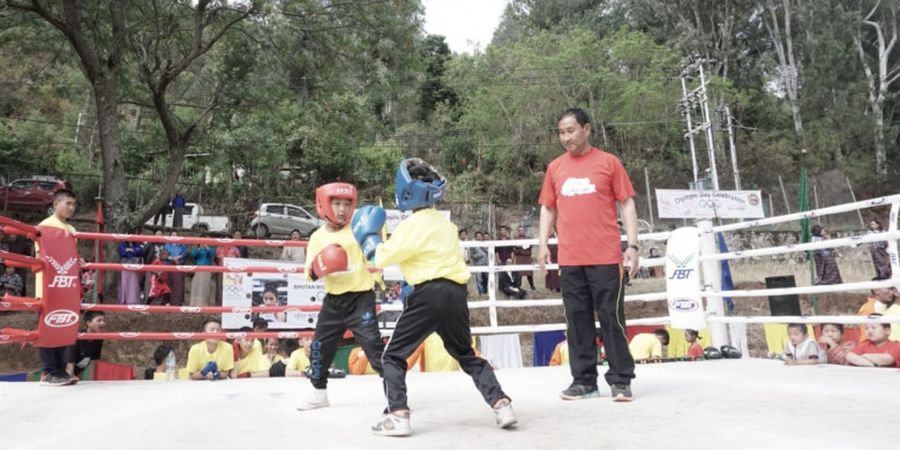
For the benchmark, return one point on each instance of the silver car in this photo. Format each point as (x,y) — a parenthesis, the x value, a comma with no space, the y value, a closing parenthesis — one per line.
(282,219)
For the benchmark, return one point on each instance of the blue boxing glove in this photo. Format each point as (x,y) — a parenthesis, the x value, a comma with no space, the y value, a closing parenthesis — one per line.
(366,225)
(211,367)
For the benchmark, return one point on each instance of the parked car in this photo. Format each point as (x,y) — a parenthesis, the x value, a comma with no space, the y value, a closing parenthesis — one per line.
(281,218)
(194,219)
(33,194)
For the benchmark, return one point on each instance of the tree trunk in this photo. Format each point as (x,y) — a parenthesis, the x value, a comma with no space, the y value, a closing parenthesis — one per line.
(115,204)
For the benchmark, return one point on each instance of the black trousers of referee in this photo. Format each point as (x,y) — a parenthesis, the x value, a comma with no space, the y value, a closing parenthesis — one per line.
(589,290)
(353,310)
(435,306)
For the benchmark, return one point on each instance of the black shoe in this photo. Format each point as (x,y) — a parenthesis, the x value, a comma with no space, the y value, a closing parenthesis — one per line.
(621,392)
(579,392)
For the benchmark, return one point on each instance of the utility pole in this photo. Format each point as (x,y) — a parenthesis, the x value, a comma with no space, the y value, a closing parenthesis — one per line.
(693,102)
(734,161)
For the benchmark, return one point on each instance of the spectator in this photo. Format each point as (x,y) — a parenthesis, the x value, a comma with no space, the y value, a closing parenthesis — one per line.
(211,359)
(161,214)
(800,348)
(832,341)
(894,310)
(233,251)
(89,287)
(695,350)
(294,254)
(177,254)
(511,284)
(21,246)
(158,371)
(878,250)
(479,257)
(648,347)
(464,236)
(130,282)
(178,205)
(286,347)
(658,270)
(879,302)
(53,359)
(827,270)
(522,256)
(298,362)
(159,291)
(551,281)
(504,253)
(84,354)
(201,289)
(273,351)
(251,361)
(10,282)
(560,354)
(148,255)
(877,350)
(358,362)
(270,298)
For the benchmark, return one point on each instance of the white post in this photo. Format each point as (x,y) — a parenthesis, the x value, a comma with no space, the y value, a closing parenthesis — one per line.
(492,278)
(712,281)
(690,128)
(711,149)
(734,161)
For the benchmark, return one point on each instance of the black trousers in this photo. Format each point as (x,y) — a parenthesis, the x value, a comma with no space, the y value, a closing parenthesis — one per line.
(353,310)
(590,290)
(435,306)
(53,360)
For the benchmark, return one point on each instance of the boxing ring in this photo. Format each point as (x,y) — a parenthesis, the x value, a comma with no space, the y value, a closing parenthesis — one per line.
(746,403)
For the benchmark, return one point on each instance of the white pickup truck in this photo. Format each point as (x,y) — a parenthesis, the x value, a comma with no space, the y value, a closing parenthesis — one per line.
(193,218)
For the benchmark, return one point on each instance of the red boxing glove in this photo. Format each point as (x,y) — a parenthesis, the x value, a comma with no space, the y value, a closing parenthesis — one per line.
(331,259)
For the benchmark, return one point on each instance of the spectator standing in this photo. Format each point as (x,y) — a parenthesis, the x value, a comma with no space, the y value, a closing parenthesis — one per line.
(827,270)
(53,359)
(876,351)
(880,258)
(84,354)
(159,293)
(801,349)
(551,281)
(129,281)
(176,256)
(10,282)
(294,254)
(201,284)
(503,253)
(479,257)
(464,236)
(178,205)
(522,256)
(150,254)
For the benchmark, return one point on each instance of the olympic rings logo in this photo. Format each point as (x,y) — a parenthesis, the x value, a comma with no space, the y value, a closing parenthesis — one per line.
(709,203)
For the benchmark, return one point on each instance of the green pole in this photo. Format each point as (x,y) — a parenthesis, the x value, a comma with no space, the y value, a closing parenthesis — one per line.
(804,230)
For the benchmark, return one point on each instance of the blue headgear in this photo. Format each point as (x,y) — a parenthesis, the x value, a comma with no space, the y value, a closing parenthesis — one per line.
(412,192)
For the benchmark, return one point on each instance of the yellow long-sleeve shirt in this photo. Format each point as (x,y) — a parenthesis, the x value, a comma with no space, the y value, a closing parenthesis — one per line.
(357,278)
(426,247)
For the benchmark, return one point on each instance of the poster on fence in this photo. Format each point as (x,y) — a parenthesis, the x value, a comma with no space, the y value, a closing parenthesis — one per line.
(241,289)
(692,204)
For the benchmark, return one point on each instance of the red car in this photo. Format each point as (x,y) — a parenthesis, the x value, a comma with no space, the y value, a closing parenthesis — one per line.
(33,194)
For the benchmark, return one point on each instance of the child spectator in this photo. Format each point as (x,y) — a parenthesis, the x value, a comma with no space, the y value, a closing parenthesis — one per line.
(10,282)
(695,350)
(560,354)
(800,348)
(251,362)
(877,350)
(211,359)
(286,347)
(878,303)
(273,351)
(648,347)
(832,341)
(160,292)
(298,362)
(177,254)
(130,282)
(84,354)
(158,371)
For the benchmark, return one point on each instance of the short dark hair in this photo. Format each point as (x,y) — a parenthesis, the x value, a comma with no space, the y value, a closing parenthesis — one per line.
(799,326)
(271,289)
(817,230)
(504,227)
(211,320)
(839,326)
(289,345)
(90,315)
(579,114)
(63,193)
(245,328)
(161,353)
(463,230)
(877,315)
(693,333)
(661,332)
(260,323)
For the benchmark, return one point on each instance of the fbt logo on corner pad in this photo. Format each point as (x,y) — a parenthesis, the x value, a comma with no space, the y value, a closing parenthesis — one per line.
(684,304)
(61,318)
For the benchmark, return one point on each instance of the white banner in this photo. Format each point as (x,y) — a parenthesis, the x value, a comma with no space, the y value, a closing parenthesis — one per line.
(395,216)
(688,204)
(248,289)
(683,279)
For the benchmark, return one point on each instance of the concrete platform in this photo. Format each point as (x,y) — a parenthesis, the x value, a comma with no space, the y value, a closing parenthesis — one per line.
(744,404)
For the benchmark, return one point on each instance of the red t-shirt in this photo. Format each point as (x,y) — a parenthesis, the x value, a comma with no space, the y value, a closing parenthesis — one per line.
(890,347)
(584,190)
(695,351)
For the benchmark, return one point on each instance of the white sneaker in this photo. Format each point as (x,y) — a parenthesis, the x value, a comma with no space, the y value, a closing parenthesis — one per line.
(505,416)
(318,399)
(392,425)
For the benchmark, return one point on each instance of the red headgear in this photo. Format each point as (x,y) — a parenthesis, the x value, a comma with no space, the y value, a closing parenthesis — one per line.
(326,192)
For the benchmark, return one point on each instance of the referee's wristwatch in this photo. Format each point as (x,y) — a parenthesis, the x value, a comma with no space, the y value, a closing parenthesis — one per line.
(635,247)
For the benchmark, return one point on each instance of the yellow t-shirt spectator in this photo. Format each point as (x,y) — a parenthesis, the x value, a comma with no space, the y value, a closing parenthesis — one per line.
(182,374)
(199,356)
(255,361)
(894,310)
(51,222)
(357,278)
(426,247)
(358,362)
(298,360)
(645,346)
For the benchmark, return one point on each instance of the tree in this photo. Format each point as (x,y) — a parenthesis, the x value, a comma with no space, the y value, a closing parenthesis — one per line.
(159,42)
(882,21)
(789,68)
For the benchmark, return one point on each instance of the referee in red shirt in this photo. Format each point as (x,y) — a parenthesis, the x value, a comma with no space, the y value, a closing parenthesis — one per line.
(580,193)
